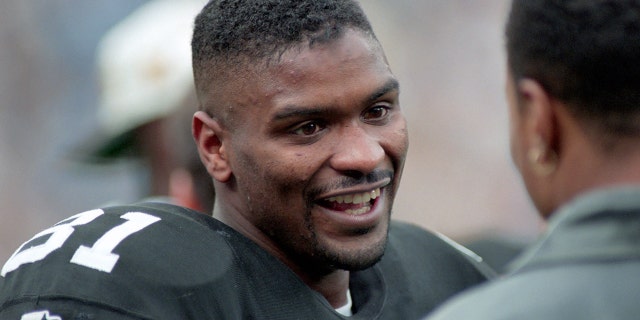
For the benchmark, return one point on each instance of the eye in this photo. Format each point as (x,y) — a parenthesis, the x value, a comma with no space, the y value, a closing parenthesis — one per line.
(375,113)
(308,128)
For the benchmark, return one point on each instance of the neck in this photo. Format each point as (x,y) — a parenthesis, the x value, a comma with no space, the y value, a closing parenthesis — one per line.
(599,169)
(332,284)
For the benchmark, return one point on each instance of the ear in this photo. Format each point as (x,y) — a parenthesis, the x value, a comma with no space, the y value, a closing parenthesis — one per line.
(541,128)
(208,135)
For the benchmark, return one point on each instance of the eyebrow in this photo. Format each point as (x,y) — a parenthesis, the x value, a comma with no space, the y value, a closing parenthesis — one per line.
(295,111)
(391,85)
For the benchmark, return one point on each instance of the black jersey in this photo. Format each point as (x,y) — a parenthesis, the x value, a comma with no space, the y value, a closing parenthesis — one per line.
(159,261)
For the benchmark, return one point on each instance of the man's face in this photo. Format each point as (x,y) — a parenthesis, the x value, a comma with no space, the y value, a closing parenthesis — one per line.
(316,151)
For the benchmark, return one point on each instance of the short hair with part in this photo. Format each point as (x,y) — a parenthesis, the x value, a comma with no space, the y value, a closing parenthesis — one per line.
(232,34)
(585,53)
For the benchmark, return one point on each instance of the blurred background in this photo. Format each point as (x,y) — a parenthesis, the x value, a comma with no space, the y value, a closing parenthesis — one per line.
(448,55)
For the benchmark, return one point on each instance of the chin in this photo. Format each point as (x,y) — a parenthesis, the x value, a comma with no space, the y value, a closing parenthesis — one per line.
(357,258)
(360,264)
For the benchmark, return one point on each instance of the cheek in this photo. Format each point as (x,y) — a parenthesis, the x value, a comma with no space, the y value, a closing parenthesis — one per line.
(279,174)
(404,142)
(396,142)
(399,146)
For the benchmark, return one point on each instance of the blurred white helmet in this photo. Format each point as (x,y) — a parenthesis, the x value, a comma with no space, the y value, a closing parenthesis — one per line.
(144,65)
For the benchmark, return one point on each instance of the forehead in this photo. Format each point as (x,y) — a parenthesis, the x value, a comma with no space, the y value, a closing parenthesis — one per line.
(355,62)
(354,49)
(351,67)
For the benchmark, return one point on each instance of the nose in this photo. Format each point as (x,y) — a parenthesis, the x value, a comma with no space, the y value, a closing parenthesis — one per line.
(357,152)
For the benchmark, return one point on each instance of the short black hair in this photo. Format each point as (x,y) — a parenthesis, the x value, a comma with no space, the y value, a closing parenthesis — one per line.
(585,53)
(228,33)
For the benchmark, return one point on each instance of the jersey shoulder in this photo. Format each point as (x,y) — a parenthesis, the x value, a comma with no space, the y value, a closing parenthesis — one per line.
(125,257)
(435,253)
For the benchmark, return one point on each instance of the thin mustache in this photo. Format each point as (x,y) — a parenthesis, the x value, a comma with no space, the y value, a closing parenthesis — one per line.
(347,182)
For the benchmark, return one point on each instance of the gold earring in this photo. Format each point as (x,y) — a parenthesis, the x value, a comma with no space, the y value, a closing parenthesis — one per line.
(543,161)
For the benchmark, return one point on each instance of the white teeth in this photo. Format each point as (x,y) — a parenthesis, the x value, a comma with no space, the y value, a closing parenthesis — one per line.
(348,198)
(359,211)
(357,198)
(366,197)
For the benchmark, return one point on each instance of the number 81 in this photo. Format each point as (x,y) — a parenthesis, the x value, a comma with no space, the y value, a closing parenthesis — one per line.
(99,256)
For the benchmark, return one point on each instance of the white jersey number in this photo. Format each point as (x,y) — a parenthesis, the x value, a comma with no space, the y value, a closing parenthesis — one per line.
(40,315)
(99,256)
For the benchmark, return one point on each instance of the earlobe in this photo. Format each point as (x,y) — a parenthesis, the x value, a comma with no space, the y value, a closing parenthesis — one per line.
(208,135)
(541,128)
(542,159)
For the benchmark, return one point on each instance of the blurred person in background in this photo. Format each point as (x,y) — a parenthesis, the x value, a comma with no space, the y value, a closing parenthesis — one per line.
(573,89)
(147,99)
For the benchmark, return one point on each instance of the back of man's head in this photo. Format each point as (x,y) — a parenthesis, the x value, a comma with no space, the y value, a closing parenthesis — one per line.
(585,53)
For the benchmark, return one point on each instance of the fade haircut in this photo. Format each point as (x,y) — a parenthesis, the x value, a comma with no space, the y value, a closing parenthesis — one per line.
(232,34)
(585,53)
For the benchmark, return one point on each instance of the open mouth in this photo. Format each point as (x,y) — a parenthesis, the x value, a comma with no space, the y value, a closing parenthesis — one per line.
(353,204)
